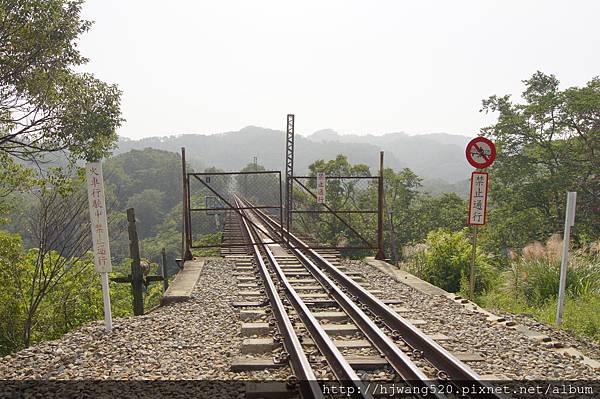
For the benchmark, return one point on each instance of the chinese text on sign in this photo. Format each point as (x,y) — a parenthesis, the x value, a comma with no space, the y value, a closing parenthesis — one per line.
(478,201)
(321,187)
(99,225)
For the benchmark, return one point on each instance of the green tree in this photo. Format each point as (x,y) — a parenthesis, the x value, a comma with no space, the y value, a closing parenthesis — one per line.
(342,194)
(261,189)
(44,105)
(168,236)
(547,145)
(401,191)
(135,171)
(446,211)
(70,299)
(11,255)
(149,210)
(412,214)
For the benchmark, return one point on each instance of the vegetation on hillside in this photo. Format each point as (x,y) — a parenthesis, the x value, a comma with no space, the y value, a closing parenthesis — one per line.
(547,145)
(48,112)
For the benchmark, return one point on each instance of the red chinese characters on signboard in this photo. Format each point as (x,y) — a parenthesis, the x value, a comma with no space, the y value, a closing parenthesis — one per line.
(98,219)
(478,198)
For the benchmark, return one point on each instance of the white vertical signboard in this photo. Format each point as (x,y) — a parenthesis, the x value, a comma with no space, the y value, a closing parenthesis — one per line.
(99,225)
(478,198)
(321,180)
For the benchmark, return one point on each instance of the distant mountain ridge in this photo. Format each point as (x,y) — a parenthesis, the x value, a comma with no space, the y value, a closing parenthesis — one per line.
(437,157)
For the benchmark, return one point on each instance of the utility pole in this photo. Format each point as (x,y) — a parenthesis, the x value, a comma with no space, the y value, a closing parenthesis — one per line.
(473,259)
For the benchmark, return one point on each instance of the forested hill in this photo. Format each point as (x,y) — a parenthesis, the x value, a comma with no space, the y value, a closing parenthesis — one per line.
(432,156)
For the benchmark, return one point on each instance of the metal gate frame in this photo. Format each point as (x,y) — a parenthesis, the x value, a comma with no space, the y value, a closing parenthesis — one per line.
(336,213)
(228,207)
(328,210)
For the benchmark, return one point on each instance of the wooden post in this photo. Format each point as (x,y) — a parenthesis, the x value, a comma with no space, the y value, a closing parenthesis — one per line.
(163,267)
(380,204)
(137,279)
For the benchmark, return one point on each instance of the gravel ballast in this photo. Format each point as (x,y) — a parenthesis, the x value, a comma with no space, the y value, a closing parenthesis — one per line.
(198,340)
(508,353)
(193,340)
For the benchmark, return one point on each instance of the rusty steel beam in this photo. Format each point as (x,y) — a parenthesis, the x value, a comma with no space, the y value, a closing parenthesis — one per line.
(380,207)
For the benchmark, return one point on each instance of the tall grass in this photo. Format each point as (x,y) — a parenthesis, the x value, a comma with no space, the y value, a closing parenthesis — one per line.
(535,277)
(530,285)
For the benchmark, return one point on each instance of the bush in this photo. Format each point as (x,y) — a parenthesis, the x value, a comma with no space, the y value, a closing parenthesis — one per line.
(446,262)
(208,239)
(531,286)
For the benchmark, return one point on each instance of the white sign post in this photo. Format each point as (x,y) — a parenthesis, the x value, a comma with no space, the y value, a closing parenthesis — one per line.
(564,262)
(321,180)
(97,205)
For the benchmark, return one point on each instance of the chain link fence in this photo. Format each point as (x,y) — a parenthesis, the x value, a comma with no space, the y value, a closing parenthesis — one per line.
(212,195)
(347,217)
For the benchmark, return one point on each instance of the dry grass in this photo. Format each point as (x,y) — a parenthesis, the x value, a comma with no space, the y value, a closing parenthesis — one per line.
(552,251)
(409,251)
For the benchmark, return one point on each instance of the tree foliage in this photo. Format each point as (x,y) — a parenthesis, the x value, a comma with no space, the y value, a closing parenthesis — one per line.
(409,214)
(549,144)
(45,106)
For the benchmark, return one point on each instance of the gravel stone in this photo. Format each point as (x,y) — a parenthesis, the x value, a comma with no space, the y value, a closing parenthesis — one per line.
(507,352)
(192,340)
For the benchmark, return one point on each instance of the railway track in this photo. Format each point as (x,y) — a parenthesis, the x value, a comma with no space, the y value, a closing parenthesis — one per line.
(328,327)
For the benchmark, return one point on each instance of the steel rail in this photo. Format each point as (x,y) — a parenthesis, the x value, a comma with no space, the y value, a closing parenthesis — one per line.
(340,177)
(339,365)
(308,385)
(456,371)
(399,361)
(231,207)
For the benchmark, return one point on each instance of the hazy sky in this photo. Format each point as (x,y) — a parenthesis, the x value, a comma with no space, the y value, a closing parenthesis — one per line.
(354,66)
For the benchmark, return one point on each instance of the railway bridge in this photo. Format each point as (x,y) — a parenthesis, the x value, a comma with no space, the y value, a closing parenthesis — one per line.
(281,314)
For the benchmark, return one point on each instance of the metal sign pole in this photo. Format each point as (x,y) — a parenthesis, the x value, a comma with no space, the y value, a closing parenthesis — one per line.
(480,153)
(564,263)
(183,208)
(106,300)
(473,257)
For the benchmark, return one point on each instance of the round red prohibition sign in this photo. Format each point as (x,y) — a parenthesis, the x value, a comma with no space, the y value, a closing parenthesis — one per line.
(481,152)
